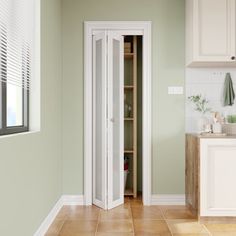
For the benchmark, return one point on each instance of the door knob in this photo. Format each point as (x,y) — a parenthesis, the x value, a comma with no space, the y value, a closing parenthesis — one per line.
(233,58)
(112,120)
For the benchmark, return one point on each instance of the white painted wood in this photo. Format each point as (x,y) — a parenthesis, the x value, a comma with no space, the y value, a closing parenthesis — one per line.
(99,131)
(128,27)
(72,200)
(115,119)
(121,32)
(43,228)
(64,200)
(168,199)
(218,175)
(88,115)
(210,32)
(35,99)
(147,114)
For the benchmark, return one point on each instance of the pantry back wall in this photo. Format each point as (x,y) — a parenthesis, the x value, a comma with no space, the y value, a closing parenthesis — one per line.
(168,111)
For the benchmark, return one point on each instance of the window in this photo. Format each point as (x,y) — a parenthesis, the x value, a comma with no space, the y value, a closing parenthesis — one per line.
(16,64)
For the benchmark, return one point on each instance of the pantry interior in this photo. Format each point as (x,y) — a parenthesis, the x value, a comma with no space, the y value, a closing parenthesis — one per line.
(133,116)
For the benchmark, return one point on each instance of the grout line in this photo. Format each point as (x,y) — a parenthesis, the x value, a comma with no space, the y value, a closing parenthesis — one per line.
(207,229)
(132,219)
(99,216)
(164,218)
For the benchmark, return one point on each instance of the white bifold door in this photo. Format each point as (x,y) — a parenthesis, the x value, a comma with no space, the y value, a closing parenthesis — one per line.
(108,128)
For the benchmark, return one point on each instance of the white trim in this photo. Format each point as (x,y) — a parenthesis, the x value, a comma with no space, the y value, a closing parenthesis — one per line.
(49,219)
(35,85)
(147,114)
(65,200)
(168,199)
(72,200)
(128,27)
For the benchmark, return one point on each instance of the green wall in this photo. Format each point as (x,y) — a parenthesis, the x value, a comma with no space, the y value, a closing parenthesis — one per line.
(167,17)
(31,164)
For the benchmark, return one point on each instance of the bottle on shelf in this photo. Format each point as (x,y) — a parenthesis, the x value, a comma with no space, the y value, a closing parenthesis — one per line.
(127,108)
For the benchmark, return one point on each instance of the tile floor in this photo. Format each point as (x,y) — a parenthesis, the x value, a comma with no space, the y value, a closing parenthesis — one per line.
(133,218)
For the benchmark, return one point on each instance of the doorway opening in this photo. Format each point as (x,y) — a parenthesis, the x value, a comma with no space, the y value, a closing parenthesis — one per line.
(135,155)
(133,116)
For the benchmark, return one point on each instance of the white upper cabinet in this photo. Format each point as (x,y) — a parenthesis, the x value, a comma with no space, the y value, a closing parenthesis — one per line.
(210,33)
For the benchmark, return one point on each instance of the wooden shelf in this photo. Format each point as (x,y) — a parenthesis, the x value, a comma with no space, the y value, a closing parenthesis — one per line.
(128,119)
(129,55)
(128,87)
(129,192)
(128,151)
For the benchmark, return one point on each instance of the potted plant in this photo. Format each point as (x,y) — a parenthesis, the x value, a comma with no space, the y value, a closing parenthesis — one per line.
(201,106)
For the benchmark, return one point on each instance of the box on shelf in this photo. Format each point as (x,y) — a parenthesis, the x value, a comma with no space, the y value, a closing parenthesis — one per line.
(127,47)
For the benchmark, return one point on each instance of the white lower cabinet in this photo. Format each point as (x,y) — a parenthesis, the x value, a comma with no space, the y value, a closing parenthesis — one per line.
(218,177)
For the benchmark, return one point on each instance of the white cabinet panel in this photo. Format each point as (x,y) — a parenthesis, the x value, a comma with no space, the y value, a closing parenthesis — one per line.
(218,177)
(211,30)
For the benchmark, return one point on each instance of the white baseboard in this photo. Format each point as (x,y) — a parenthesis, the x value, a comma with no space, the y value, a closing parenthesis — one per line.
(65,200)
(168,199)
(49,219)
(70,200)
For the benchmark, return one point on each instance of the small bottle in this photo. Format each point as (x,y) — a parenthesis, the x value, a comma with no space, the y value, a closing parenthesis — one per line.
(127,108)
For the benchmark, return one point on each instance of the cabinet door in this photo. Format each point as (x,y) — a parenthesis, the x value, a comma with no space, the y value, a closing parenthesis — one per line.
(214,30)
(218,175)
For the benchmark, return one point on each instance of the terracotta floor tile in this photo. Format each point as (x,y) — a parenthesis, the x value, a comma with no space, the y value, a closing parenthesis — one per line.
(153,234)
(173,207)
(83,213)
(116,214)
(78,234)
(150,226)
(218,220)
(221,228)
(63,213)
(178,214)
(55,227)
(223,234)
(146,212)
(126,199)
(114,234)
(77,227)
(136,202)
(191,234)
(186,227)
(110,226)
(133,216)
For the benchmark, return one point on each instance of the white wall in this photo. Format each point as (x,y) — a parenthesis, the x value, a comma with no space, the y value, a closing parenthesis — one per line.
(208,82)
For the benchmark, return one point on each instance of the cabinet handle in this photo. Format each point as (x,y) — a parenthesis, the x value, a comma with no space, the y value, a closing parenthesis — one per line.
(233,58)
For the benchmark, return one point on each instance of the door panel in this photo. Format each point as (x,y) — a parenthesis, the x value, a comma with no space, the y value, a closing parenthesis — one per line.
(99,121)
(115,120)
(108,160)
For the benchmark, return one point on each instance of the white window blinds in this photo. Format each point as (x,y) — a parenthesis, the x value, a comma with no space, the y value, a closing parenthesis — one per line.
(16,41)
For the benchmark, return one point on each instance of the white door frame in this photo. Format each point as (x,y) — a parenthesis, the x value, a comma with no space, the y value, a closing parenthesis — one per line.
(125,28)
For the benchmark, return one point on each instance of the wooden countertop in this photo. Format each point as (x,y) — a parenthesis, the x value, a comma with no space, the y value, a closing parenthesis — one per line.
(218,136)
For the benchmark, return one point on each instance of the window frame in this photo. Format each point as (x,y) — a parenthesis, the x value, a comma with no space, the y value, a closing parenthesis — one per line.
(25,76)
(4,130)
